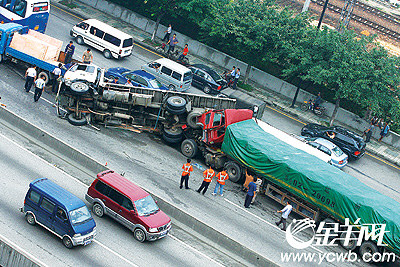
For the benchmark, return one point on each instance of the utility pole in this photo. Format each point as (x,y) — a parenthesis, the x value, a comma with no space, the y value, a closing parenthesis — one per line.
(322,14)
(305,6)
(345,15)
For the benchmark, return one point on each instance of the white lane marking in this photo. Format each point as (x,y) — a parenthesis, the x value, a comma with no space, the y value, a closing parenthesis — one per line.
(115,253)
(22,251)
(261,219)
(195,250)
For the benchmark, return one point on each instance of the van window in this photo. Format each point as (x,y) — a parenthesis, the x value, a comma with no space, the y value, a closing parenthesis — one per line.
(96,32)
(102,188)
(111,39)
(83,25)
(166,71)
(47,205)
(127,203)
(140,80)
(127,43)
(176,75)
(34,196)
(187,76)
(61,214)
(116,196)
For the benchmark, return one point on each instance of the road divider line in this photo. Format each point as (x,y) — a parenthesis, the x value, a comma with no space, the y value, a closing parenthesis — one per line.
(115,253)
(261,219)
(195,250)
(69,13)
(284,114)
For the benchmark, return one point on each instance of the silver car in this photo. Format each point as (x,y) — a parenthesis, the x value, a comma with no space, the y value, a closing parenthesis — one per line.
(338,158)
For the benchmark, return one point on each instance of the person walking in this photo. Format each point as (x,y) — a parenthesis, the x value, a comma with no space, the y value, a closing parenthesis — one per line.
(172,42)
(56,74)
(232,75)
(208,175)
(30,76)
(258,186)
(368,132)
(221,178)
(285,214)
(87,56)
(187,169)
(69,52)
(39,87)
(236,79)
(167,32)
(250,193)
(184,53)
(385,131)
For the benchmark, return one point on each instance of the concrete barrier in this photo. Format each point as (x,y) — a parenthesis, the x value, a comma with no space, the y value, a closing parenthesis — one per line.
(37,135)
(13,256)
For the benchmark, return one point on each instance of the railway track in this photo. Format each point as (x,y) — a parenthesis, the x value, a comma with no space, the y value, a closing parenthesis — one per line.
(378,13)
(383,30)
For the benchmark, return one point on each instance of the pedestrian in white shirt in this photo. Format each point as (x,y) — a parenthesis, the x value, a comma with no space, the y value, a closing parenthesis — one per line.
(258,184)
(167,33)
(30,76)
(237,75)
(285,214)
(39,86)
(56,75)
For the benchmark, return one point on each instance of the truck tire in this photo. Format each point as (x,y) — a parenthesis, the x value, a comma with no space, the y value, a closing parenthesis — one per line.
(75,121)
(368,247)
(46,76)
(79,40)
(176,103)
(176,111)
(171,140)
(191,119)
(352,243)
(329,223)
(189,148)
(173,132)
(79,88)
(234,171)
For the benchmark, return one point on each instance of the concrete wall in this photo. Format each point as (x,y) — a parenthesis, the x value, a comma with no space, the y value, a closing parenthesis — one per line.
(257,76)
(12,256)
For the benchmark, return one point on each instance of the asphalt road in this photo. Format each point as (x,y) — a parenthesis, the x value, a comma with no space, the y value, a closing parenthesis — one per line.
(156,166)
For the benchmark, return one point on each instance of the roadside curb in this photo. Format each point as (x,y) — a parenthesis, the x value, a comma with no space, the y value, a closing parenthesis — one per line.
(92,165)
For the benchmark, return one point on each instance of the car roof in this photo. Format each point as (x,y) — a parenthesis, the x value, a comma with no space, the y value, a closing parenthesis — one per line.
(48,188)
(169,63)
(326,143)
(107,28)
(122,184)
(144,74)
(202,66)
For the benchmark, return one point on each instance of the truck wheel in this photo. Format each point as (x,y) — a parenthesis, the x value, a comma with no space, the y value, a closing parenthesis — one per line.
(191,119)
(176,102)
(189,148)
(107,53)
(173,132)
(368,247)
(352,243)
(67,242)
(79,88)
(172,140)
(234,171)
(329,223)
(176,111)
(76,121)
(46,77)
(139,235)
(79,40)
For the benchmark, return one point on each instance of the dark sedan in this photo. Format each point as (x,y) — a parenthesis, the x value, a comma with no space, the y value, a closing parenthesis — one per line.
(351,144)
(207,79)
(138,78)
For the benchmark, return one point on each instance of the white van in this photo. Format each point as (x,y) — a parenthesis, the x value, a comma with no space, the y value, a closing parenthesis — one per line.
(173,75)
(103,37)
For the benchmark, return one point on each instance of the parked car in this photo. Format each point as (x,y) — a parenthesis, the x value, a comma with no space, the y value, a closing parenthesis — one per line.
(60,212)
(207,79)
(349,142)
(339,159)
(129,204)
(138,78)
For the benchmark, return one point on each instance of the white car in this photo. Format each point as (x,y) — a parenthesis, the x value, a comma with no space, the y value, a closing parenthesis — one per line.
(82,72)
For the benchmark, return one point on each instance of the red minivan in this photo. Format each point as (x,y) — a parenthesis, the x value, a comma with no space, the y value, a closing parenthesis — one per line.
(129,204)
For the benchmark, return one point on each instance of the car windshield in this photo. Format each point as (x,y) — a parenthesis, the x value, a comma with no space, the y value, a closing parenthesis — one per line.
(337,151)
(146,206)
(80,215)
(155,84)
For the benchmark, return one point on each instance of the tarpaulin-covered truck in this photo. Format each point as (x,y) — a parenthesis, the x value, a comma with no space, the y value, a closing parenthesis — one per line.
(318,191)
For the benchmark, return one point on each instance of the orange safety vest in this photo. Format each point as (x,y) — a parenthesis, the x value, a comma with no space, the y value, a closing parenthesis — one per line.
(187,168)
(222,177)
(208,175)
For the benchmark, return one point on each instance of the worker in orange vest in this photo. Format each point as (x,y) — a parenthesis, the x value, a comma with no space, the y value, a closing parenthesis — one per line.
(208,175)
(187,169)
(221,178)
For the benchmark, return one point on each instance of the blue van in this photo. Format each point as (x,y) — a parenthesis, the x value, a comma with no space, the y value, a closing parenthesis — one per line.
(60,212)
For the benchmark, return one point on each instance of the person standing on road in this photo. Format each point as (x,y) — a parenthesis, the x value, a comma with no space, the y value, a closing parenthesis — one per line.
(69,52)
(385,131)
(187,169)
(285,214)
(208,175)
(258,186)
(30,76)
(184,53)
(250,193)
(167,32)
(221,178)
(56,75)
(87,56)
(368,132)
(232,75)
(172,42)
(39,87)
(236,79)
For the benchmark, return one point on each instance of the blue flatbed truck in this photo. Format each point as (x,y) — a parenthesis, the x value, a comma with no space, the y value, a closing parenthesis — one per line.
(7,31)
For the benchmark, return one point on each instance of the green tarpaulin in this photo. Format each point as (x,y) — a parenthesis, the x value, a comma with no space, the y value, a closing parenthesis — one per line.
(332,190)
